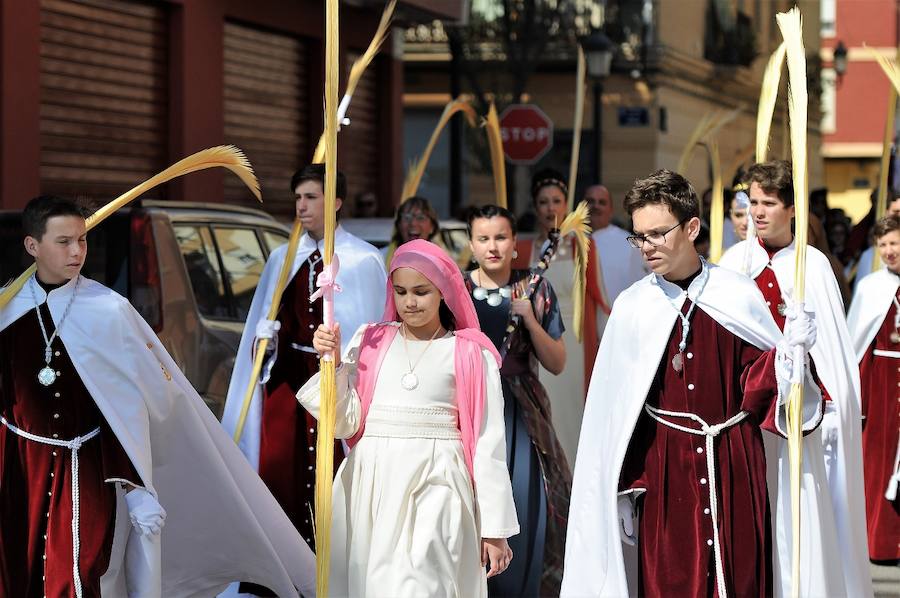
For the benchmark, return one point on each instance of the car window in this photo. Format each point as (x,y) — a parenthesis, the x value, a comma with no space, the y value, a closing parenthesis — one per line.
(243,259)
(273,238)
(203,269)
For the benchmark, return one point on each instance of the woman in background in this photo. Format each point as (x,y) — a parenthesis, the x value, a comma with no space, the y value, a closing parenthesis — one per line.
(541,476)
(568,390)
(415,219)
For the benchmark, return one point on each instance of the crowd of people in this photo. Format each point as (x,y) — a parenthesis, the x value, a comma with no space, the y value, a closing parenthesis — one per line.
(482,448)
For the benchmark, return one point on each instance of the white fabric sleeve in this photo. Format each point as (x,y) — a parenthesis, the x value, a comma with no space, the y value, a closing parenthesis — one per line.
(493,488)
(812,394)
(348,408)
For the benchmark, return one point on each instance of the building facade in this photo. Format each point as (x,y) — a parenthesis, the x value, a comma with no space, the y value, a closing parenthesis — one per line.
(675,62)
(855,104)
(98,95)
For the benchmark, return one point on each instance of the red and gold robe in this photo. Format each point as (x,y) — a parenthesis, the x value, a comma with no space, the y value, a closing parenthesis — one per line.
(722,376)
(287,456)
(35,478)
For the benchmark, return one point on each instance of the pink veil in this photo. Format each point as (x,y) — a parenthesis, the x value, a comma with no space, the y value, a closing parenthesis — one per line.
(434,264)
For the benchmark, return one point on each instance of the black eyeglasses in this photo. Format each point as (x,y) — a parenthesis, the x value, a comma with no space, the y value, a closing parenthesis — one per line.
(655,239)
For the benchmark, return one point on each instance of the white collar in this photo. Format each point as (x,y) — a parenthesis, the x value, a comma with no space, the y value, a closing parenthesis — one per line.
(308,244)
(64,290)
(676,294)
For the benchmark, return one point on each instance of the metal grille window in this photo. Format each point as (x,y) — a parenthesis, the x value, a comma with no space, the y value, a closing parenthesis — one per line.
(104,94)
(266,111)
(358,143)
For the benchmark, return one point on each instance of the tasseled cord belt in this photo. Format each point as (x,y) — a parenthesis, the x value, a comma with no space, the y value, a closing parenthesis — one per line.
(710,432)
(73,445)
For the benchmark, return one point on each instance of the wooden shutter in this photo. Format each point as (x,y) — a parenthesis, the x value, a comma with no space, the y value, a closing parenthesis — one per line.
(104,95)
(358,143)
(265,111)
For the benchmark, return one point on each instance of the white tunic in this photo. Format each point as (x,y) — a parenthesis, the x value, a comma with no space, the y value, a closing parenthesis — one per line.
(406,522)
(621,266)
(566,391)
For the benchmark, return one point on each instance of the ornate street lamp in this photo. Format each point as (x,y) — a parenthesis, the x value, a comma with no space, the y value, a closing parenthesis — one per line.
(839,59)
(598,53)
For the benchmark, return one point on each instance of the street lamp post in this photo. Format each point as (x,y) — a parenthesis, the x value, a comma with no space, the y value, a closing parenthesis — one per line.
(598,52)
(839,60)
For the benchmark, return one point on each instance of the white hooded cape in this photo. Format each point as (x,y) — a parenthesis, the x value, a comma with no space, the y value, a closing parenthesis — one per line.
(630,351)
(222,523)
(361,275)
(838,369)
(870,306)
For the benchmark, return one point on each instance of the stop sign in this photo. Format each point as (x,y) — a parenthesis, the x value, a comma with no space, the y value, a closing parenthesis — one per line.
(527,133)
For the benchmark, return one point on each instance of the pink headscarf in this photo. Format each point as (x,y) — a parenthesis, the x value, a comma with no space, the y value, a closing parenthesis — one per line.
(433,263)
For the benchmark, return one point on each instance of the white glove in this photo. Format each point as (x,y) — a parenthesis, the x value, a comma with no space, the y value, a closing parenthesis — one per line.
(147,515)
(267,328)
(626,520)
(831,421)
(800,327)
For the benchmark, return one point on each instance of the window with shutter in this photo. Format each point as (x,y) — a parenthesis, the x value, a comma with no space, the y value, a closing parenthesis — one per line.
(358,143)
(266,111)
(104,95)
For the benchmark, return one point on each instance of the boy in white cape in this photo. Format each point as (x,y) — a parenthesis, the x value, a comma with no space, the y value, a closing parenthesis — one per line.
(769,261)
(109,458)
(690,371)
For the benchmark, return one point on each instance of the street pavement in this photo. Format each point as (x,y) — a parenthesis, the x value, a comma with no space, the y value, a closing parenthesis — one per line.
(886,581)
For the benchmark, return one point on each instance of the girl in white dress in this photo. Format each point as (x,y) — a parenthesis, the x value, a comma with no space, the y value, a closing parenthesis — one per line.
(423,502)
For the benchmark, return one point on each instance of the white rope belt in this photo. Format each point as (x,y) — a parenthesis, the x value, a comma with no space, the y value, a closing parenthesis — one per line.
(304,348)
(73,445)
(710,432)
(894,481)
(886,353)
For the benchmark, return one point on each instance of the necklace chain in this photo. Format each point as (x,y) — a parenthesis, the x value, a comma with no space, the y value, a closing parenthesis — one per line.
(48,340)
(421,355)
(678,360)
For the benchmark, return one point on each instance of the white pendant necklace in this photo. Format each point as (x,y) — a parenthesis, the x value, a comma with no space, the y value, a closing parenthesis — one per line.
(678,360)
(494,297)
(47,375)
(409,380)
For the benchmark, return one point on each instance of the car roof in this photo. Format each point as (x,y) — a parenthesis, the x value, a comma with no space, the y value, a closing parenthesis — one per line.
(203,211)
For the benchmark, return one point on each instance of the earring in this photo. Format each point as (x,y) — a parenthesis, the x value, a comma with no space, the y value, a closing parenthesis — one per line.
(515,253)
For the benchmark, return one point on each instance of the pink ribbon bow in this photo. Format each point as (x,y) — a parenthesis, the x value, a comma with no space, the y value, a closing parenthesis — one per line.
(327,279)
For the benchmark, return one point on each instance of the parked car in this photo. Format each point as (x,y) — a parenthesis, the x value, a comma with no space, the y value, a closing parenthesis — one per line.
(190,269)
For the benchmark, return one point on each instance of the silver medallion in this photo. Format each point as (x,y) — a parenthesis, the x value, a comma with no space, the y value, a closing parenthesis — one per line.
(46,376)
(677,362)
(494,299)
(409,381)
(895,337)
(480,293)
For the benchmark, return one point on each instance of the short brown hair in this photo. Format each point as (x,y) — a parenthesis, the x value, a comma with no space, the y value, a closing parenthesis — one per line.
(664,187)
(775,177)
(44,207)
(886,225)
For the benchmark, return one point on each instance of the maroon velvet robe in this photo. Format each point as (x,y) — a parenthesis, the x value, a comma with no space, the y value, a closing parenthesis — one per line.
(287,456)
(35,479)
(880,378)
(722,375)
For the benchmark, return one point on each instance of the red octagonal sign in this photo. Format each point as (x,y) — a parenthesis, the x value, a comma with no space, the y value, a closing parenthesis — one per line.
(527,133)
